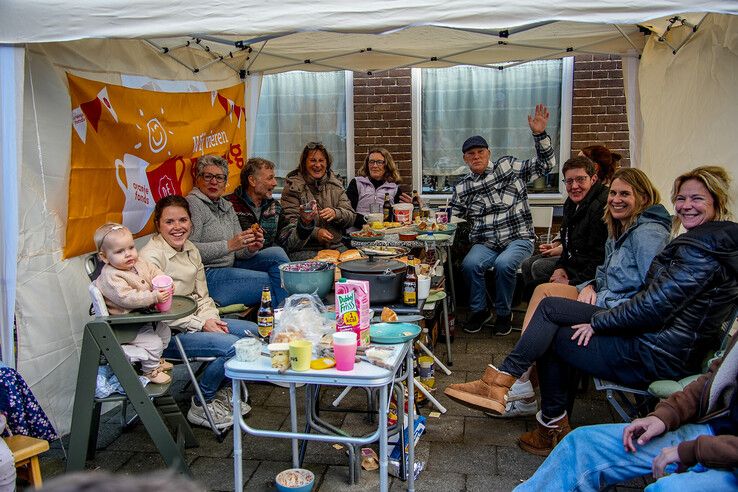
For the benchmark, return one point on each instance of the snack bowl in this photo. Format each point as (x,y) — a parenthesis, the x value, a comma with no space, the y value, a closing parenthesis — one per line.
(295,480)
(308,277)
(408,236)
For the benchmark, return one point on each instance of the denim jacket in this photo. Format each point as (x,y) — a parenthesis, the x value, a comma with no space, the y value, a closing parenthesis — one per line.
(628,257)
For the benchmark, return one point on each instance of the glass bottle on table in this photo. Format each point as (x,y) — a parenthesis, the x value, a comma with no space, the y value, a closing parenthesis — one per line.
(387,208)
(265,315)
(416,205)
(410,285)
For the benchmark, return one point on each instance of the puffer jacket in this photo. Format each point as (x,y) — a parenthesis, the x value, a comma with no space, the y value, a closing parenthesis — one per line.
(328,192)
(583,235)
(689,290)
(628,257)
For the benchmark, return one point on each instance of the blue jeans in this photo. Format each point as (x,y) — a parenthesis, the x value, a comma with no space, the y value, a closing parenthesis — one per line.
(593,457)
(506,262)
(209,344)
(242,283)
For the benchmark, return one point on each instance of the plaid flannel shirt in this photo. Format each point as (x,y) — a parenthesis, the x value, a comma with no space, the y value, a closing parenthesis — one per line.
(496,201)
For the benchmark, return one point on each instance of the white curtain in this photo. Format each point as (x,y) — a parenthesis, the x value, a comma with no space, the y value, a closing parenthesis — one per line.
(296,108)
(12,62)
(462,101)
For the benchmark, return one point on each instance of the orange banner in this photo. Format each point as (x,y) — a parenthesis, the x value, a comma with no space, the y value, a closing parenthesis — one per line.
(132,147)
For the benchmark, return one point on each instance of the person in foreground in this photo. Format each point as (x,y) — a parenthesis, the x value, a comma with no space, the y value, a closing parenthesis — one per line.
(663,332)
(493,197)
(638,229)
(204,334)
(377,177)
(314,185)
(237,265)
(689,442)
(253,203)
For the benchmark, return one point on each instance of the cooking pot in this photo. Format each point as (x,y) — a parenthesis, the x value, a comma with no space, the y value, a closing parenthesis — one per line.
(385,277)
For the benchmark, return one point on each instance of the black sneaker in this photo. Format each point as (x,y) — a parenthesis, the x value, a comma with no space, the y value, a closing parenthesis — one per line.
(503,325)
(475,321)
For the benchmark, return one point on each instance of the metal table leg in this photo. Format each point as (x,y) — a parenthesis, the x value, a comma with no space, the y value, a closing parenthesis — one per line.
(237,447)
(450,265)
(448,334)
(293,426)
(410,422)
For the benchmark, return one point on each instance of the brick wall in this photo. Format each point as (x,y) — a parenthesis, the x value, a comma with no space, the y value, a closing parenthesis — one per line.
(598,106)
(382,117)
(382,111)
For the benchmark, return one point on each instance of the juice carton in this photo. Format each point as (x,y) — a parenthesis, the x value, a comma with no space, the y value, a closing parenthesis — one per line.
(352,308)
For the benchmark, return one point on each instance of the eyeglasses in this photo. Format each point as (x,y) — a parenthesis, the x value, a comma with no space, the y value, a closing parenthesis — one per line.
(218,178)
(373,162)
(315,145)
(579,179)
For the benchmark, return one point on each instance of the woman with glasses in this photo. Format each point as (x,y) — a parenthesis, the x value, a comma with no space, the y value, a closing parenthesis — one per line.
(638,228)
(377,177)
(314,185)
(237,265)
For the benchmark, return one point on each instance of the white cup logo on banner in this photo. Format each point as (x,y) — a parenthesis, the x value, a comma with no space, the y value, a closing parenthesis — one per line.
(139,201)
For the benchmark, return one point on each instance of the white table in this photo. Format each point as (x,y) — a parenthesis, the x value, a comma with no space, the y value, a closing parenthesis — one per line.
(364,374)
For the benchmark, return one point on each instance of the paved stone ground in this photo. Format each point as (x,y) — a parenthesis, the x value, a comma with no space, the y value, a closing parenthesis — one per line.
(463,449)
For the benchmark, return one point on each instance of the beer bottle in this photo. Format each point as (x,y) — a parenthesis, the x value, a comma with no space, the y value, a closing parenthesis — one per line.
(265,315)
(416,205)
(387,209)
(410,286)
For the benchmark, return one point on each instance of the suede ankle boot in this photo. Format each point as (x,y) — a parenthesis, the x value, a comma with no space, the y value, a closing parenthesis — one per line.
(488,394)
(545,436)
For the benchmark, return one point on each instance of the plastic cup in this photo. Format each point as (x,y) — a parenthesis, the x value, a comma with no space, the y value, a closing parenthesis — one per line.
(280,353)
(301,352)
(441,217)
(344,349)
(424,284)
(163,282)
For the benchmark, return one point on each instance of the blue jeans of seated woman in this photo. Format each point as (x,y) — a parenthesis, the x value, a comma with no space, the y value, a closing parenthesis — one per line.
(547,341)
(506,262)
(592,458)
(242,283)
(210,344)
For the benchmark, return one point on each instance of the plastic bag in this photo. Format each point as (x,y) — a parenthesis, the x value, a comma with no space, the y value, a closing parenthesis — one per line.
(303,318)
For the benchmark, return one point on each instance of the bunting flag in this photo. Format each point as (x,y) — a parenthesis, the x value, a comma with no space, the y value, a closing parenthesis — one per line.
(132,147)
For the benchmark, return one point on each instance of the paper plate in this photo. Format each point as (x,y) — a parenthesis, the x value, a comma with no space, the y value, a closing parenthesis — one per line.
(393,332)
(434,237)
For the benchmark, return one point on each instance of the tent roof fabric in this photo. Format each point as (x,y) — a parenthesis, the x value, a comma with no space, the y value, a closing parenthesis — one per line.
(361,36)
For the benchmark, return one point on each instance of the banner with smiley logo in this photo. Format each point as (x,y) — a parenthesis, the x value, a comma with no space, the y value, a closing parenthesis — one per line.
(132,147)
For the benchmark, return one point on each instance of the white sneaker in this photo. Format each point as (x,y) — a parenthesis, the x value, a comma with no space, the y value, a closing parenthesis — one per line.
(222,417)
(225,396)
(521,391)
(518,408)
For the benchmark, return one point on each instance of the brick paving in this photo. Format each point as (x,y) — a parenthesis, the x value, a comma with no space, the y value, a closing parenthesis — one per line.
(463,449)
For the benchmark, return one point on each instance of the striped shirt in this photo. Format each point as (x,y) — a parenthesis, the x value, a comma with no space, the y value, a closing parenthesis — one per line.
(496,201)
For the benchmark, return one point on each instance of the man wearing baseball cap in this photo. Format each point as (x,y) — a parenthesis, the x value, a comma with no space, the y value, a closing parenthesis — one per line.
(493,197)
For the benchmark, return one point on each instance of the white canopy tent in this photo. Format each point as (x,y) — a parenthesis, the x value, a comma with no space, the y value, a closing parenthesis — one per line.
(681,71)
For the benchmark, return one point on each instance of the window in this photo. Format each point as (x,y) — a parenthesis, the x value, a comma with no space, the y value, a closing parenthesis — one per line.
(300,107)
(461,101)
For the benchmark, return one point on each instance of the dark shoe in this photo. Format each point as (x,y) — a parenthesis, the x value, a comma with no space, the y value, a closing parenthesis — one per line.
(544,437)
(503,325)
(488,394)
(475,321)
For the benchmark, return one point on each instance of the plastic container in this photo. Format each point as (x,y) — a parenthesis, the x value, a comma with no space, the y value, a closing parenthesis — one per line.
(403,212)
(163,282)
(247,349)
(295,480)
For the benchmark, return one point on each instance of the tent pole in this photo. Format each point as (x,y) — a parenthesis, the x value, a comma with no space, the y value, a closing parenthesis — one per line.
(12,69)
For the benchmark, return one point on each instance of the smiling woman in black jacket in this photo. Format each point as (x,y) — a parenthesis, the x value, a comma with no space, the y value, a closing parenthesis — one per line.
(663,332)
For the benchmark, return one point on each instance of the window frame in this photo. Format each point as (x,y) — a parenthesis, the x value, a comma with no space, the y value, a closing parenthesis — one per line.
(564,151)
(349,94)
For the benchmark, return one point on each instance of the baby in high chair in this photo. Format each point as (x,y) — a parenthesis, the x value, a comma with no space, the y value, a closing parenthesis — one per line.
(125,283)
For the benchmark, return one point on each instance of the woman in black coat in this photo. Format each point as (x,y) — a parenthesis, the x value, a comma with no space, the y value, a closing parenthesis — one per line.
(663,332)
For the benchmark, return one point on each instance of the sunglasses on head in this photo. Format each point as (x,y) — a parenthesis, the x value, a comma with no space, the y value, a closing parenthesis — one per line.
(315,145)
